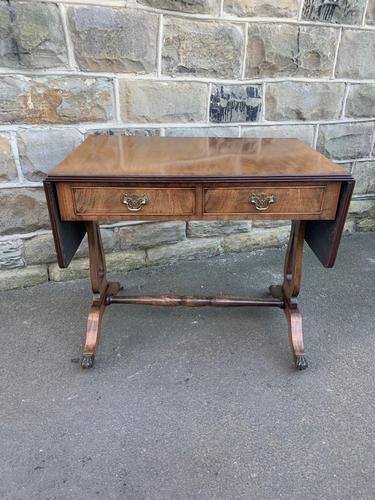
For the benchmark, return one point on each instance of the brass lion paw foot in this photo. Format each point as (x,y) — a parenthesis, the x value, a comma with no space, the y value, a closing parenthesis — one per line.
(301,362)
(87,360)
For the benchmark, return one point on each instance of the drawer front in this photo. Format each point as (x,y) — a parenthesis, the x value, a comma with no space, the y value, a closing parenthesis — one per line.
(85,202)
(309,202)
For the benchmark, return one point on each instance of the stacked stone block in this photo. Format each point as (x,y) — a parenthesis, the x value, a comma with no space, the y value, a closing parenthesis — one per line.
(221,68)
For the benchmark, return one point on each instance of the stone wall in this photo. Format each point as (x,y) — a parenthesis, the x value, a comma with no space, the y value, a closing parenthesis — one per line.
(236,68)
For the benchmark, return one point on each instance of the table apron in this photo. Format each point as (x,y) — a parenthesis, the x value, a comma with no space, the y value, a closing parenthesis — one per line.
(264,200)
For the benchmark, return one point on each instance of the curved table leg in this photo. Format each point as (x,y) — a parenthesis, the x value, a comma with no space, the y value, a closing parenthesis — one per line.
(296,337)
(102,289)
(289,291)
(92,336)
(94,324)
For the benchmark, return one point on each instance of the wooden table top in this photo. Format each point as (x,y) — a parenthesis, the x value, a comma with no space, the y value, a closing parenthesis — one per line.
(122,158)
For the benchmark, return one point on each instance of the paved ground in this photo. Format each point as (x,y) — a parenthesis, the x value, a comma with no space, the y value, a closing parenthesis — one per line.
(193,403)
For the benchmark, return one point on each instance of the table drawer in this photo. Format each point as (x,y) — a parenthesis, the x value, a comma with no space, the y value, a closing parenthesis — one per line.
(270,201)
(85,202)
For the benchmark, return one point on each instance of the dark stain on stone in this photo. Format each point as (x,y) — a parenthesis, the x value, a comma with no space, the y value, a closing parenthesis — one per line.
(300,115)
(329,10)
(126,132)
(296,57)
(235,103)
(15,50)
(323,9)
(184,69)
(12,12)
(105,132)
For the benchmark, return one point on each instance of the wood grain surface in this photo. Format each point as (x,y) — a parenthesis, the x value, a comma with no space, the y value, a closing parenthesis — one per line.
(198,158)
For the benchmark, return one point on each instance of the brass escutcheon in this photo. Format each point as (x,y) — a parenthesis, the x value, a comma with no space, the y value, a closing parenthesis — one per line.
(262,201)
(135,202)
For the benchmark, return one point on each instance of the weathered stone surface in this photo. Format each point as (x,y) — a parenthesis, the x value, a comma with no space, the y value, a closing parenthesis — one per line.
(191,6)
(235,103)
(366,224)
(77,269)
(363,211)
(146,101)
(203,132)
(257,238)
(107,39)
(209,229)
(126,261)
(11,254)
(125,131)
(336,11)
(40,249)
(152,234)
(370,16)
(110,239)
(349,226)
(364,175)
(343,141)
(22,210)
(356,53)
(55,99)
(31,35)
(361,101)
(8,170)
(202,48)
(107,3)
(267,224)
(290,50)
(41,150)
(118,261)
(260,8)
(184,250)
(304,133)
(304,100)
(23,277)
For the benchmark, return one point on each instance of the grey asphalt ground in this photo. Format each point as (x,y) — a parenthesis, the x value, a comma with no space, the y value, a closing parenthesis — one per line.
(193,403)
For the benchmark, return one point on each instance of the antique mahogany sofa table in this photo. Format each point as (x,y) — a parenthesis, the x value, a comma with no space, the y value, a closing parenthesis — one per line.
(117,178)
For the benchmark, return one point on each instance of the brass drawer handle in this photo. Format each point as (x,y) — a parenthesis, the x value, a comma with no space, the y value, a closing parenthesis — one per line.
(262,201)
(135,202)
